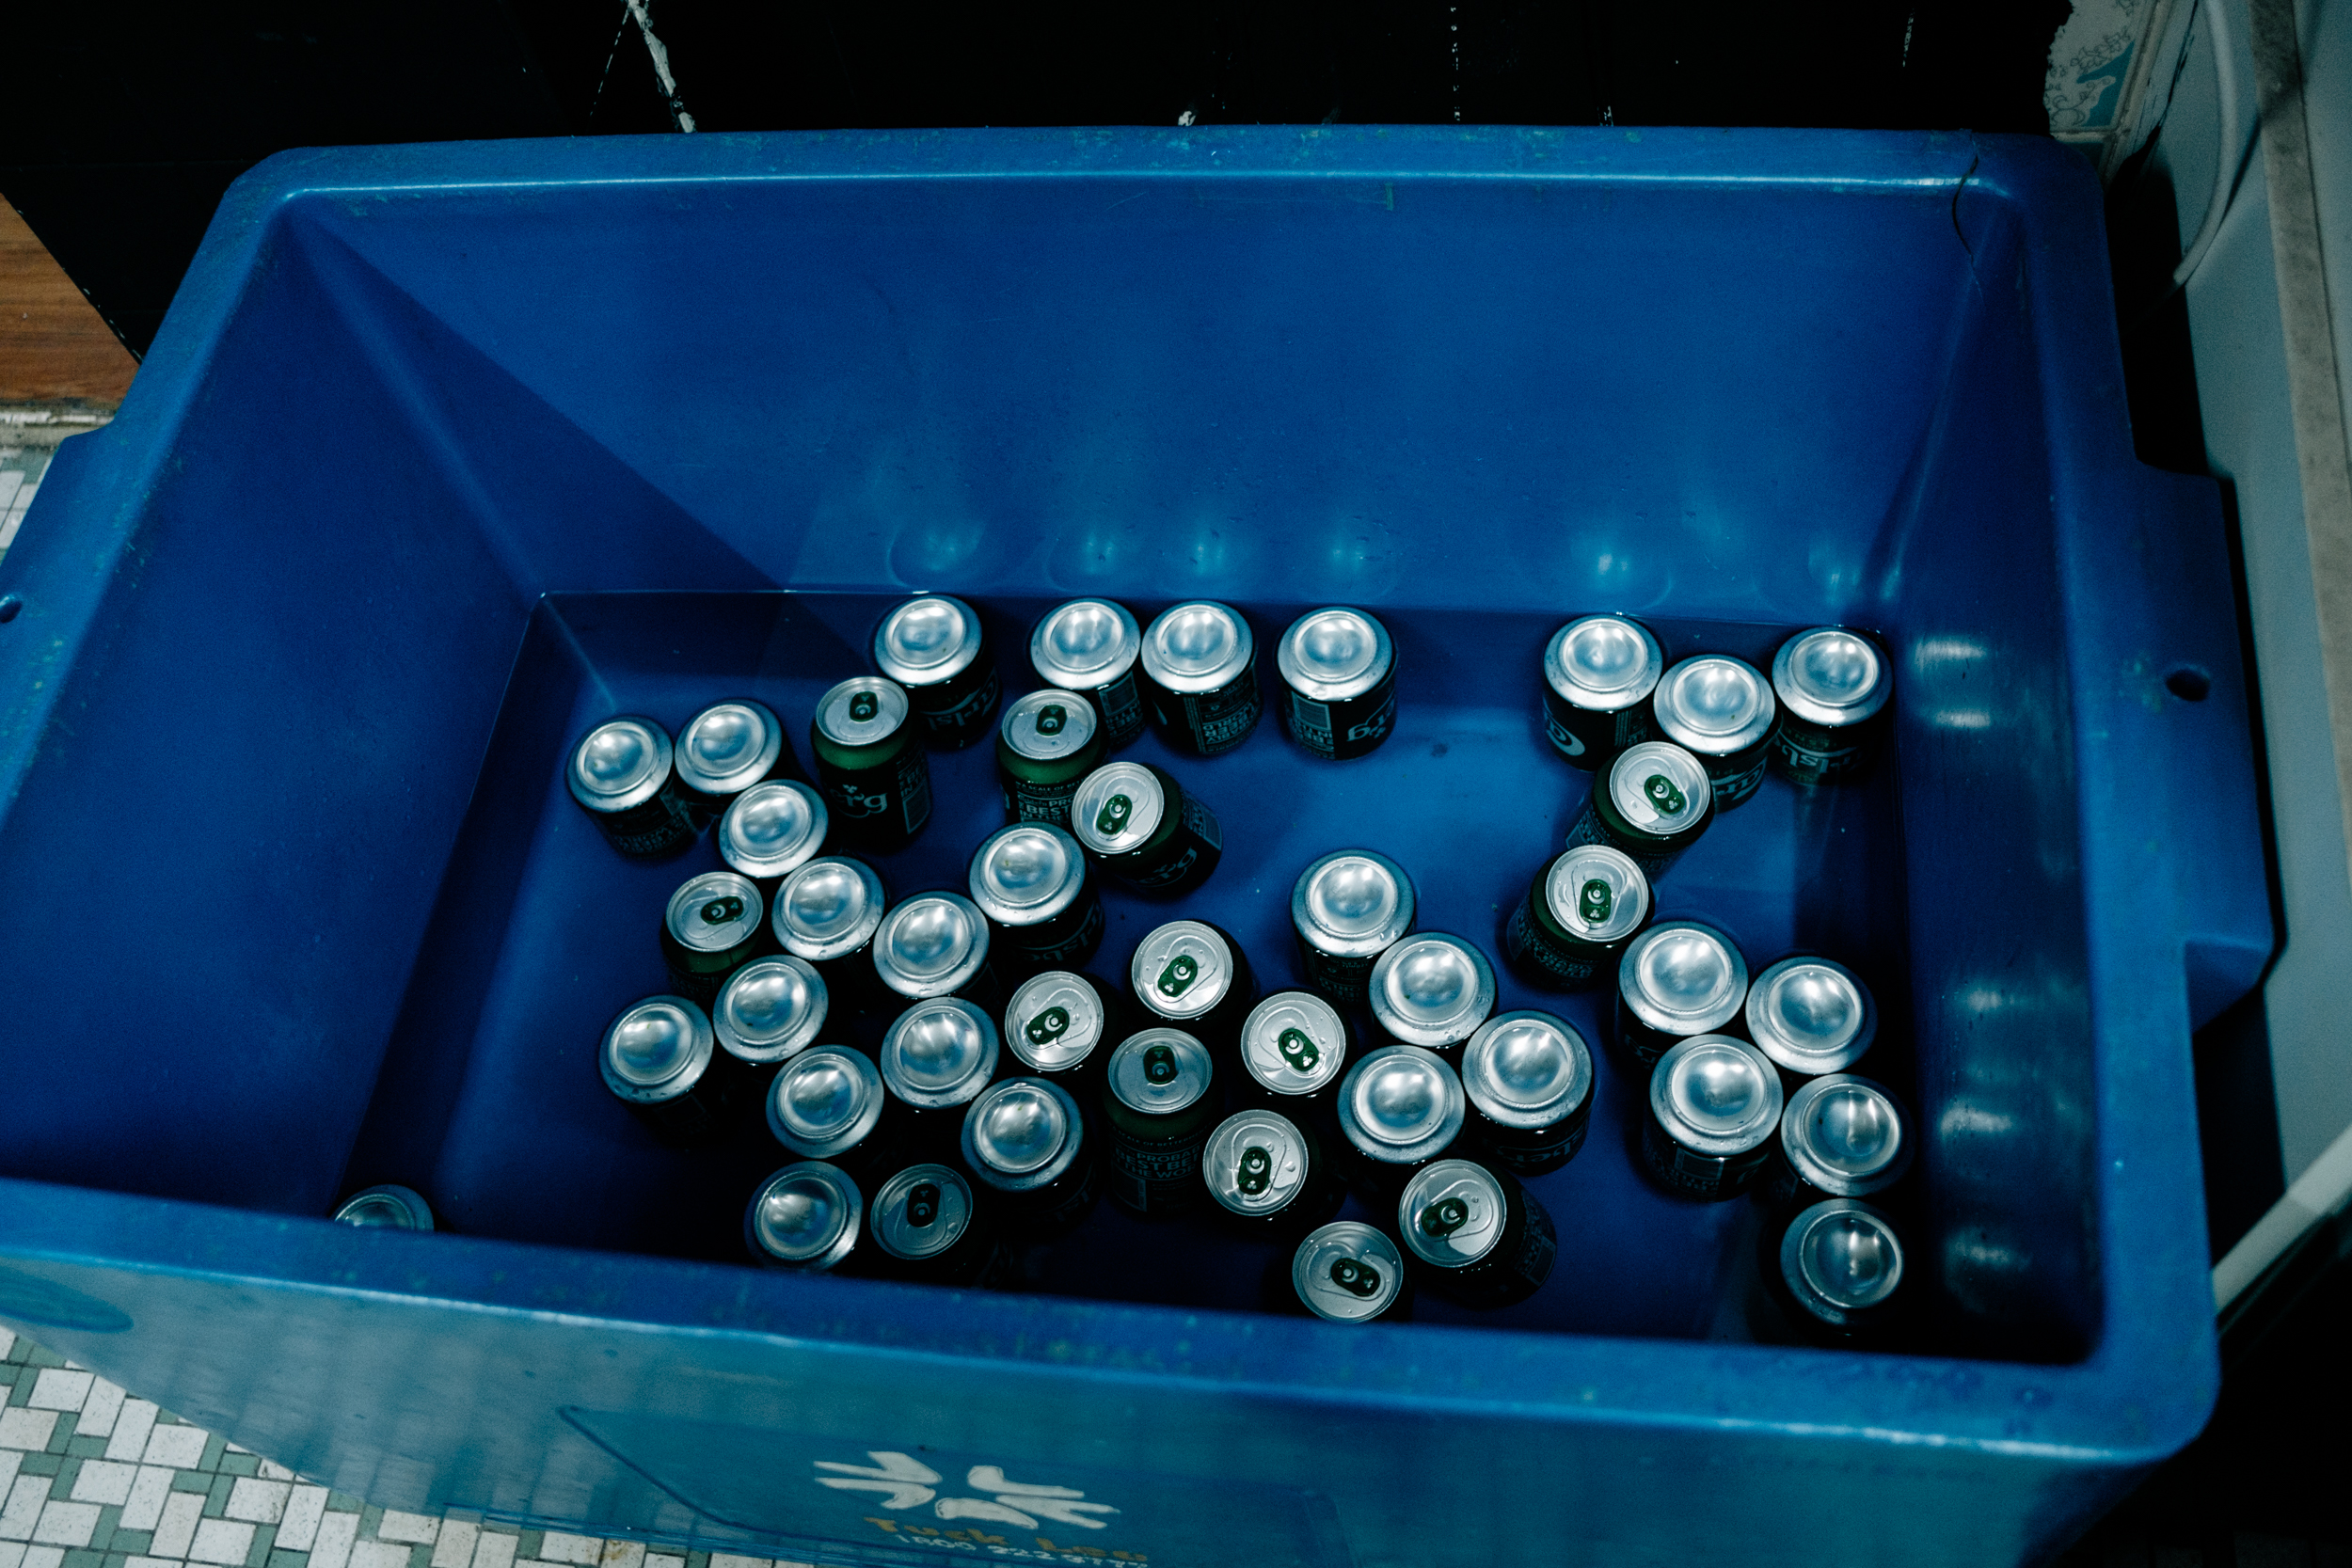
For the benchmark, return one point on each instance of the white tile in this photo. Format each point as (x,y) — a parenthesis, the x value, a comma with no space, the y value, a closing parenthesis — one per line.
(301,1525)
(23,1509)
(272,1471)
(10,1460)
(222,1540)
(411,1528)
(178,1447)
(495,1550)
(181,1512)
(58,1389)
(623,1554)
(584,1550)
(152,1562)
(233,1449)
(379,1554)
(8,1348)
(657,1559)
(65,1524)
(456,1547)
(104,1482)
(9,482)
(259,1502)
(11,1553)
(28,1430)
(332,1549)
(144,1508)
(99,1410)
(724,1560)
(131,1428)
(43,1557)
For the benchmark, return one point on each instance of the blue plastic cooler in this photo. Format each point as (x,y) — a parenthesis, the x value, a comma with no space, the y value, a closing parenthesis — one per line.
(446,452)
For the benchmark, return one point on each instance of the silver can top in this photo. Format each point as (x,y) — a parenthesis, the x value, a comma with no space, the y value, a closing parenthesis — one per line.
(769,1009)
(1830,675)
(1812,1016)
(1432,989)
(1084,644)
(773,829)
(656,1049)
(1841,1256)
(1352,903)
(1055,1021)
(1333,653)
(823,1102)
(1846,1135)
(1347,1272)
(1597,893)
(1294,1043)
(1681,977)
(1602,663)
(619,764)
(390,1207)
(714,911)
(1714,704)
(862,710)
(1527,1070)
(1182,970)
(828,908)
(1023,1135)
(928,640)
(1453,1214)
(1198,646)
(921,1212)
(1660,788)
(1255,1162)
(1716,1094)
(806,1215)
(939,1053)
(1027,873)
(1048,725)
(728,747)
(1117,807)
(1159,1072)
(1400,1105)
(931,944)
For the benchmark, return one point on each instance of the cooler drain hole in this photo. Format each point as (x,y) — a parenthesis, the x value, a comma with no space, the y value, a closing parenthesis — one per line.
(2189,683)
(9,606)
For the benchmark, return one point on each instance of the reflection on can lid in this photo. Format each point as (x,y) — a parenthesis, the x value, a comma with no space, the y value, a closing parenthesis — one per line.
(928,640)
(1027,873)
(656,1050)
(1845,1136)
(1347,1272)
(773,829)
(1255,1162)
(1159,1072)
(1811,1016)
(1023,1134)
(1182,970)
(939,1053)
(1294,1043)
(714,911)
(828,908)
(1084,644)
(921,1212)
(1830,676)
(1352,903)
(1841,1256)
(1527,1070)
(1054,1020)
(1117,808)
(805,1214)
(1432,989)
(1334,654)
(1716,1094)
(390,1207)
(1048,725)
(824,1101)
(1602,663)
(930,944)
(619,764)
(770,1008)
(1597,893)
(1453,1214)
(1400,1105)
(862,710)
(1660,788)
(1199,646)
(1714,704)
(728,746)
(1681,977)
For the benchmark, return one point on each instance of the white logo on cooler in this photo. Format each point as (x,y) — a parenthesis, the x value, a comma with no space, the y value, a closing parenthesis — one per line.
(904,1482)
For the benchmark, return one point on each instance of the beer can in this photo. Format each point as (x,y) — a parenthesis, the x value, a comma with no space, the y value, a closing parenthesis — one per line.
(1032,883)
(806,1216)
(771,829)
(1714,1103)
(769,1009)
(931,1226)
(1598,673)
(1811,1016)
(870,765)
(936,648)
(826,915)
(1652,802)
(1400,1107)
(1677,979)
(1833,684)
(621,774)
(1841,1136)
(1348,908)
(714,925)
(1527,1077)
(1841,1266)
(1190,974)
(1349,1272)
(1432,989)
(1159,1109)
(1146,829)
(661,1060)
(388,1207)
(1025,1139)
(937,1058)
(1569,930)
(1201,677)
(1719,709)
(724,750)
(936,944)
(828,1104)
(1267,1174)
(1090,646)
(1047,743)
(1484,1238)
(1294,1048)
(1339,674)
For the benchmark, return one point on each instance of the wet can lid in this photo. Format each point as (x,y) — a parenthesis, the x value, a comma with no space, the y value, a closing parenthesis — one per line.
(939,1053)
(1331,655)
(1830,676)
(1347,1272)
(930,944)
(728,746)
(1597,893)
(1055,1021)
(1812,1016)
(921,1212)
(1527,1070)
(1084,644)
(1716,1094)
(773,829)
(1048,725)
(656,1049)
(828,908)
(1352,903)
(1714,704)
(1846,1135)
(1158,1072)
(390,1207)
(1682,977)
(714,911)
(768,1010)
(1182,970)
(1660,788)
(1294,1043)
(1432,989)
(1117,808)
(1255,1163)
(1023,1134)
(806,1215)
(1400,1105)
(1453,1214)
(1840,1257)
(1197,646)
(862,710)
(822,1102)
(927,641)
(1602,663)
(620,764)
(1027,874)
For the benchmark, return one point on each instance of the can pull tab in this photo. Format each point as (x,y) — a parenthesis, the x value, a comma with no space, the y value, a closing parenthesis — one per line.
(1112,819)
(1177,978)
(1358,1278)
(922,1204)
(1051,718)
(1593,901)
(1299,1049)
(719,912)
(1255,1173)
(864,705)
(1444,1217)
(1159,1065)
(1048,1026)
(1664,794)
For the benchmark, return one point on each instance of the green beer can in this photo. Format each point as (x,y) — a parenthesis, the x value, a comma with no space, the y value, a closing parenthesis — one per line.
(1576,917)
(1048,741)
(1156,1100)
(1653,802)
(1146,829)
(870,765)
(1833,685)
